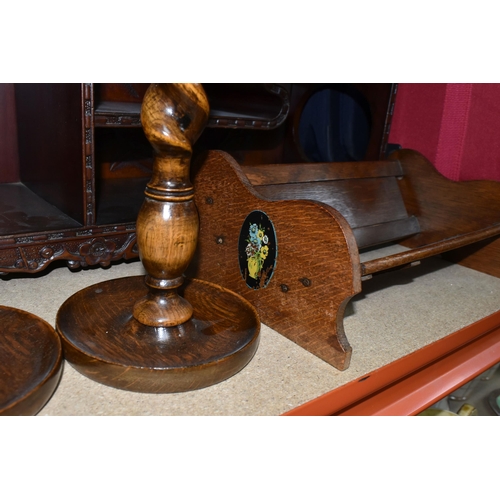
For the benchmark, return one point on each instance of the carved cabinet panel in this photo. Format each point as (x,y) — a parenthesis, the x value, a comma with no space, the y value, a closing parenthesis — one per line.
(59,196)
(74,163)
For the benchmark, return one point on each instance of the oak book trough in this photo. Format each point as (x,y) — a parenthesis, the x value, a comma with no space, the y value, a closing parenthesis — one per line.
(287,237)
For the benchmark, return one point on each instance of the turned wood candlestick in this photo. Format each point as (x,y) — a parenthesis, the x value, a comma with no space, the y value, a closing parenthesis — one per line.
(162,333)
(173,116)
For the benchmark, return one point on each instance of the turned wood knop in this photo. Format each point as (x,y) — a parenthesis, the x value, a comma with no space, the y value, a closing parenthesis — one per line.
(173,117)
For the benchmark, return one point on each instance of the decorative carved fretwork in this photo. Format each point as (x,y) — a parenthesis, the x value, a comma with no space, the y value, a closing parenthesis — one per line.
(88,120)
(98,250)
(113,120)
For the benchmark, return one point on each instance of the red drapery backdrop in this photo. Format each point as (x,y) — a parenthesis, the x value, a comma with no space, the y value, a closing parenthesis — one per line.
(455,125)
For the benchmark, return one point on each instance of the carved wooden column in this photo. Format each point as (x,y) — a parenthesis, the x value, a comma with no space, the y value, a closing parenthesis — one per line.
(173,116)
(162,333)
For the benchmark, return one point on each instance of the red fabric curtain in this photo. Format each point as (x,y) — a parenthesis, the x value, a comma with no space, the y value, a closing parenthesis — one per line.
(456,126)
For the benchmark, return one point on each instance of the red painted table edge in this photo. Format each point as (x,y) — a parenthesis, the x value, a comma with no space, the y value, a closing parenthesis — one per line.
(414,382)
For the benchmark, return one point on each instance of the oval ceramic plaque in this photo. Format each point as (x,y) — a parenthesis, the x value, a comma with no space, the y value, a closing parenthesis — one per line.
(257,250)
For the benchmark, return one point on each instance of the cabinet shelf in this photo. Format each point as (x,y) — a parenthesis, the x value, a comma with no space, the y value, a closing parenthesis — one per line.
(22,211)
(248,106)
(127,114)
(117,114)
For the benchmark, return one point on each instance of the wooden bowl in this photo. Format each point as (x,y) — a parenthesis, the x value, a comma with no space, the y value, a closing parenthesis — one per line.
(30,362)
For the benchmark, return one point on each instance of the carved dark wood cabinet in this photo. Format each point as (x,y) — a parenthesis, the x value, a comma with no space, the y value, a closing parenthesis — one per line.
(74,163)
(74,160)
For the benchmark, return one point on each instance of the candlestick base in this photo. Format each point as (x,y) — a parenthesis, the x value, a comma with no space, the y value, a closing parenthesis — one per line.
(102,340)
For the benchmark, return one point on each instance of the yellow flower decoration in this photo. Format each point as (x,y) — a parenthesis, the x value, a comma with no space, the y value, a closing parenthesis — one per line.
(264,251)
(260,234)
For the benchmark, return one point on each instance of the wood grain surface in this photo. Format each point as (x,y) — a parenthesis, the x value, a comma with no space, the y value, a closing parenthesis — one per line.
(173,116)
(440,247)
(30,362)
(447,209)
(283,173)
(317,269)
(365,193)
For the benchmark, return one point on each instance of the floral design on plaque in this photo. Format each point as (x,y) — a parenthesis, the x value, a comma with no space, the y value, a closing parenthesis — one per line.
(257,250)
